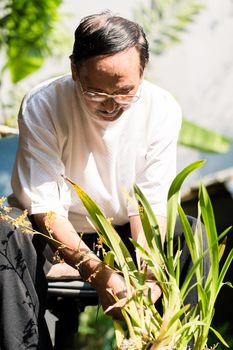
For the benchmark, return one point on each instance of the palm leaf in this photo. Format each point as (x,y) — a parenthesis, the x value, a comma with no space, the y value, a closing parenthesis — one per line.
(202,139)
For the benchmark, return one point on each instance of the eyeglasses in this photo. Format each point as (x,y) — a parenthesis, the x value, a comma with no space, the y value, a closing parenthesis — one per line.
(102,96)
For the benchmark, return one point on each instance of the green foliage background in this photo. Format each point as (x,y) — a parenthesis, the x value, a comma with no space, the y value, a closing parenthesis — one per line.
(95,330)
(164,21)
(27,34)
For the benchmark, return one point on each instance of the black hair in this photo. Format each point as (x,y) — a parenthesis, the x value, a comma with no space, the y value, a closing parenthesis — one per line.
(105,34)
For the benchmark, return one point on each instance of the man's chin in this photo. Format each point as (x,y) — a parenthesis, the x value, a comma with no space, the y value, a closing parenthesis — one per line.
(109,119)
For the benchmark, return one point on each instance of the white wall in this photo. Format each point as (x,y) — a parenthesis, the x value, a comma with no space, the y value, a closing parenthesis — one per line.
(199,72)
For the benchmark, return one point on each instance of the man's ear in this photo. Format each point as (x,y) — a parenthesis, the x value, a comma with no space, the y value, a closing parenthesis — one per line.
(142,77)
(73,71)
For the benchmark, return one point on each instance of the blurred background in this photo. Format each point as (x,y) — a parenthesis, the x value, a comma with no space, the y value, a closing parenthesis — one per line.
(191,56)
(191,50)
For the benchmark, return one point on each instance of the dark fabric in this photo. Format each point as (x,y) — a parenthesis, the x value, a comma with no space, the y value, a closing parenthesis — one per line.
(185,259)
(23,289)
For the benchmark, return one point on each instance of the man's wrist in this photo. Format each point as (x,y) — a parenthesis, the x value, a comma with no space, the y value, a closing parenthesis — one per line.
(89,267)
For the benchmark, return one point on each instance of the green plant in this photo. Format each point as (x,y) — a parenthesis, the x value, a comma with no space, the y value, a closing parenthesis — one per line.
(95,330)
(178,323)
(226,330)
(203,139)
(27,34)
(30,32)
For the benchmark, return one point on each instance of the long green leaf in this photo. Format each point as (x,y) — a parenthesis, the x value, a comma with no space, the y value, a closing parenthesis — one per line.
(177,315)
(225,268)
(179,179)
(107,231)
(203,139)
(119,333)
(190,241)
(212,238)
(153,263)
(116,244)
(173,199)
(189,275)
(219,336)
(148,218)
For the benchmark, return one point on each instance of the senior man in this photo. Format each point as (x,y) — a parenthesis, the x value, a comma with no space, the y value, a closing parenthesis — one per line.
(106,128)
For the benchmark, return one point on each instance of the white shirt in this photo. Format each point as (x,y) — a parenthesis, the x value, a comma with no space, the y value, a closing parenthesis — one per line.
(58,135)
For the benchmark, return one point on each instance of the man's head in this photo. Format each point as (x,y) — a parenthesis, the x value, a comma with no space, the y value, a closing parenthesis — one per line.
(106,34)
(108,61)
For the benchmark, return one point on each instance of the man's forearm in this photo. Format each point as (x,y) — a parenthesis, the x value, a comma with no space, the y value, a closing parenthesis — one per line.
(77,254)
(137,230)
(74,251)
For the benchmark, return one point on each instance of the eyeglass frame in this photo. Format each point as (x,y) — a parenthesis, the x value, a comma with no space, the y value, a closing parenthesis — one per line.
(107,96)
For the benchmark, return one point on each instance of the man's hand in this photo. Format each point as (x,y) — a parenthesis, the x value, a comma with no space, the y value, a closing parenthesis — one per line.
(155,290)
(138,235)
(108,284)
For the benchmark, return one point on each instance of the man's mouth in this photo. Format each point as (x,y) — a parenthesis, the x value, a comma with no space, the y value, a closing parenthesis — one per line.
(109,115)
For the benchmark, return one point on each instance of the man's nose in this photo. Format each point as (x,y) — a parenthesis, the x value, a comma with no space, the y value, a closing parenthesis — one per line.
(109,104)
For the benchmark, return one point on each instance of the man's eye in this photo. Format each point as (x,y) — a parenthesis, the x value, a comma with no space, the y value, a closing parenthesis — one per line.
(126,92)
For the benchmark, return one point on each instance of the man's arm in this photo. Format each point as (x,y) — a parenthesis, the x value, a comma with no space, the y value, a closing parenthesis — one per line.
(137,230)
(77,254)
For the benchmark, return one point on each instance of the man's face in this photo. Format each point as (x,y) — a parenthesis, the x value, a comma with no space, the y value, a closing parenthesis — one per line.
(117,74)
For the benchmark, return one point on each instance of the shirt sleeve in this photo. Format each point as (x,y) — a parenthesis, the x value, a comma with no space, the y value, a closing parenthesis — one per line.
(159,168)
(36,180)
